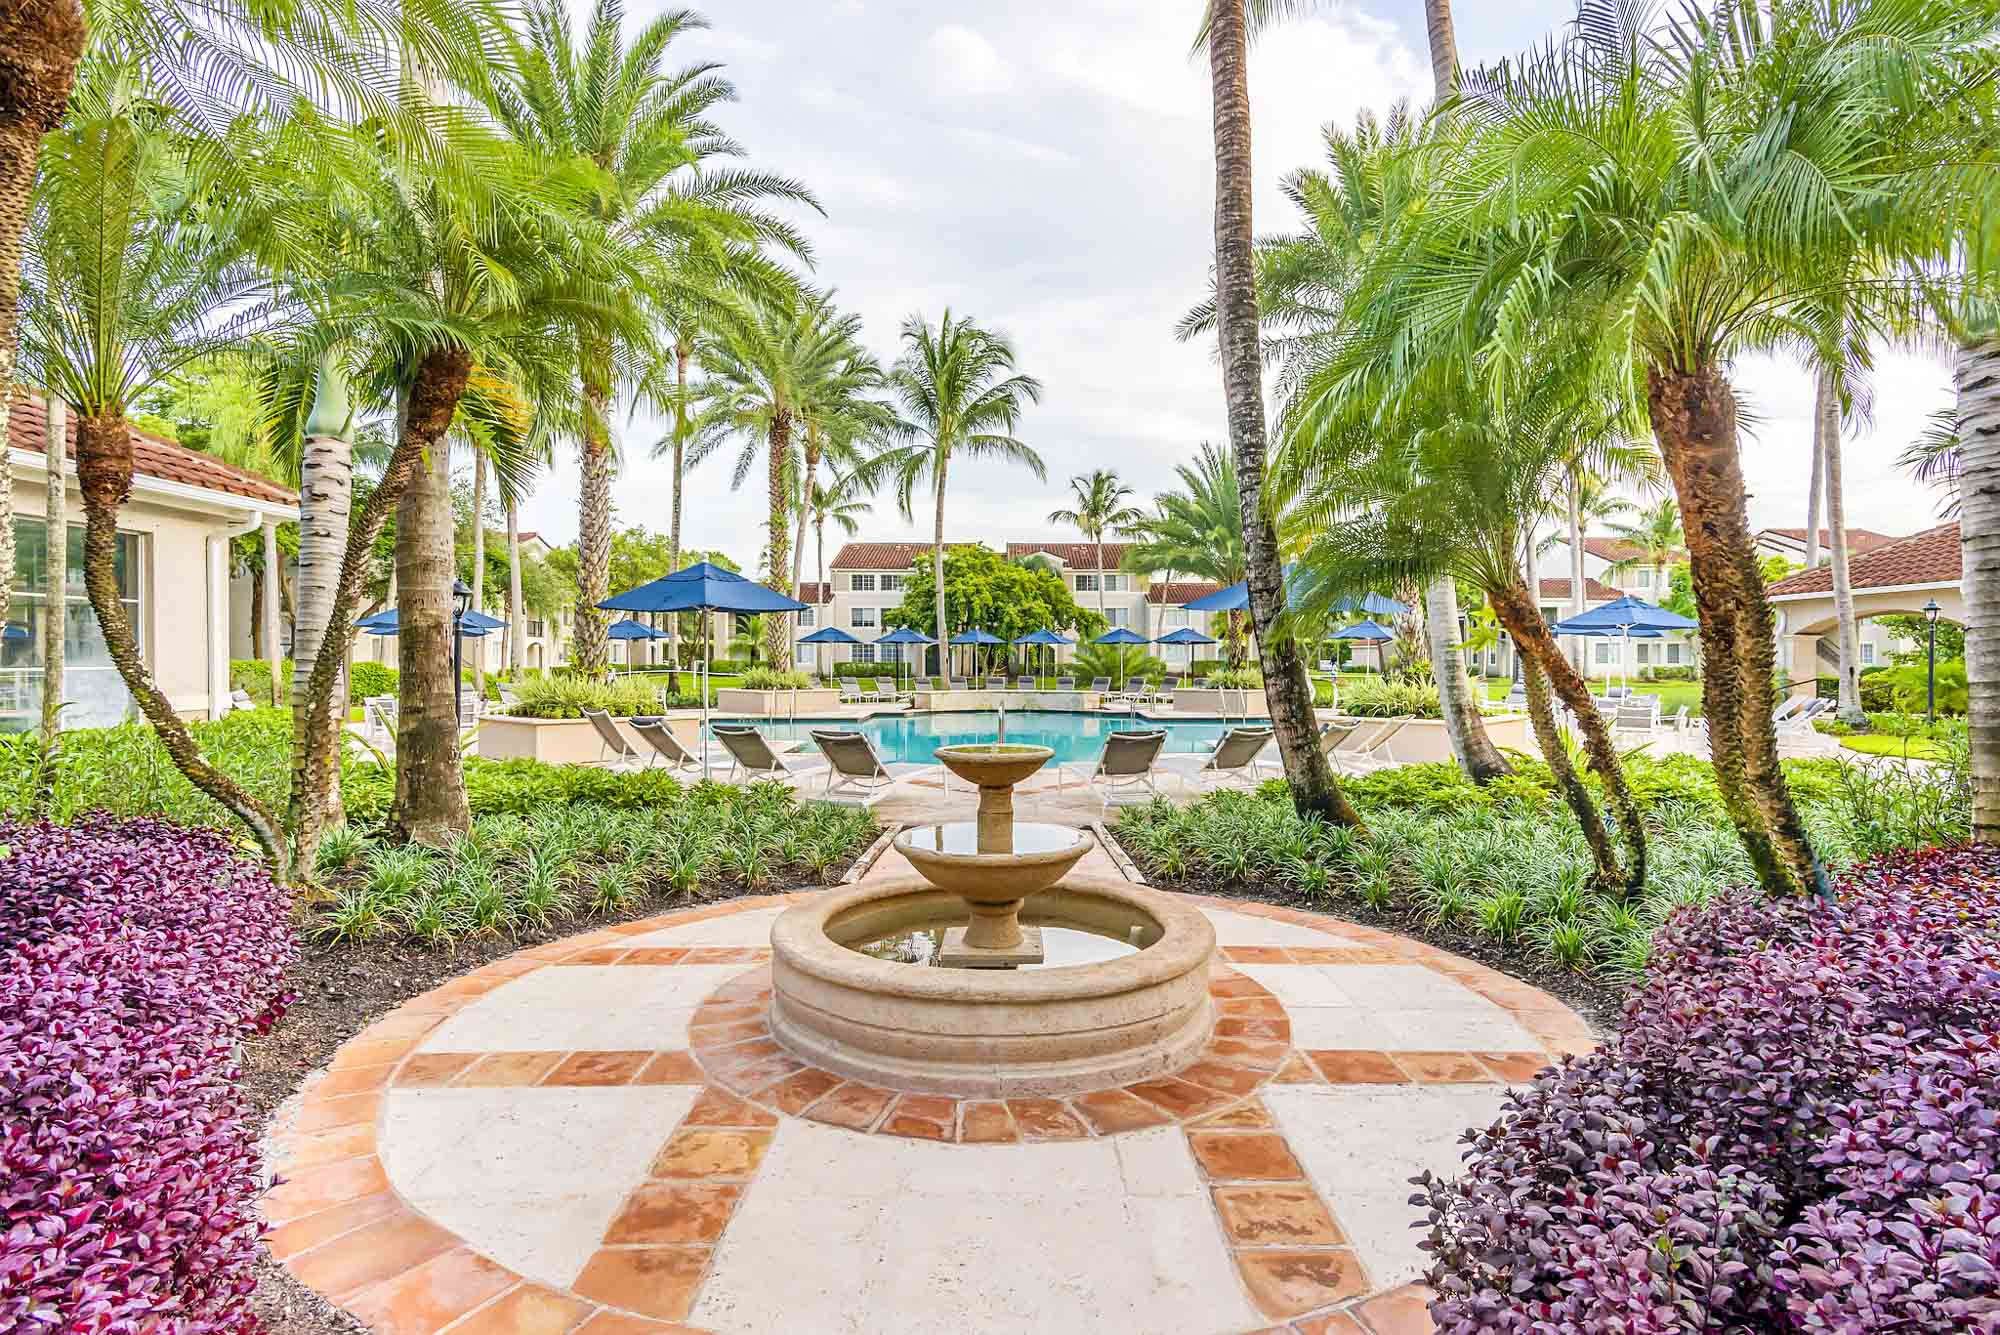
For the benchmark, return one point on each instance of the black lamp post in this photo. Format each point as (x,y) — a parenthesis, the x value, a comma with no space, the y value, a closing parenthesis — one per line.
(1931,610)
(461,599)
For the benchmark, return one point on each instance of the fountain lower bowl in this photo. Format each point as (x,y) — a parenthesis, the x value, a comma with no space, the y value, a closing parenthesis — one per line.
(985,1033)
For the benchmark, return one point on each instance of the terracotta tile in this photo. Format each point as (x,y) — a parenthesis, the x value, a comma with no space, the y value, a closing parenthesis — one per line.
(1286,1283)
(922,1117)
(716,1035)
(1249,1115)
(372,1253)
(643,927)
(315,1189)
(432,1295)
(1178,1097)
(652,1281)
(1256,1007)
(400,1024)
(654,955)
(325,1114)
(741,1051)
(987,1124)
(598,1068)
(670,1068)
(371,1052)
(1236,985)
(1259,1053)
(1333,1323)
(914,1128)
(1358,1068)
(600,955)
(353,1080)
(1244,1027)
(755,1075)
(718,1108)
(526,1309)
(313,1229)
(797,1092)
(1444,1068)
(1297,1071)
(1400,1311)
(1244,1156)
(702,1154)
(658,1212)
(1045,1119)
(1291,1215)
(724,1012)
(1514,1067)
(1257,955)
(726,955)
(426,1070)
(513,966)
(852,1105)
(1324,954)
(1110,1111)
(509,1069)
(347,1142)
(1222,1076)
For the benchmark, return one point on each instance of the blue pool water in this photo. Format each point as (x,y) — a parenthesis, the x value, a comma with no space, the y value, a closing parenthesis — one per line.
(1072,736)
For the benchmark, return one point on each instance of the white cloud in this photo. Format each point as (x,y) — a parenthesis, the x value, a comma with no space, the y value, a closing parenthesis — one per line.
(964,64)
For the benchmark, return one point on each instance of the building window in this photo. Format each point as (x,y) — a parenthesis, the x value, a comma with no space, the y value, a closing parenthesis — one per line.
(536,629)
(1673,653)
(1642,578)
(93,692)
(1118,616)
(891,583)
(1867,654)
(862,618)
(808,618)
(1645,654)
(889,653)
(1600,653)
(1177,617)
(865,653)
(1086,584)
(1117,583)
(861,583)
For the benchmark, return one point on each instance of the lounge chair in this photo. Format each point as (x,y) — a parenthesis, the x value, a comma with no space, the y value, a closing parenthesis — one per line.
(1065,683)
(1126,768)
(1236,758)
(1167,689)
(885,689)
(614,749)
(1367,748)
(1801,723)
(1024,683)
(855,774)
(960,684)
(1637,713)
(996,683)
(1789,706)
(752,757)
(509,697)
(656,734)
(378,717)
(1100,684)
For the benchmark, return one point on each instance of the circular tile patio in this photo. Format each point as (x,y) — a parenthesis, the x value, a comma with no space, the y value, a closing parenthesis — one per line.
(600,1135)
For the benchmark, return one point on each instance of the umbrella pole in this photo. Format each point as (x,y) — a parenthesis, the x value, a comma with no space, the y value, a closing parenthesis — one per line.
(707,641)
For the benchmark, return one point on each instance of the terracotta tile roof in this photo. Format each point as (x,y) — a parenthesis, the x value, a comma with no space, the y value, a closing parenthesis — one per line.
(1859,540)
(1176,594)
(1593,590)
(879,555)
(1617,549)
(153,456)
(1082,555)
(1930,557)
(813,592)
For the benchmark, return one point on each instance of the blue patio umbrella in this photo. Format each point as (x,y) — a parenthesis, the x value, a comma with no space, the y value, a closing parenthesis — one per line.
(632,631)
(904,635)
(1372,605)
(1367,631)
(1188,636)
(829,635)
(1119,635)
(1237,596)
(476,624)
(1043,636)
(976,636)
(1628,618)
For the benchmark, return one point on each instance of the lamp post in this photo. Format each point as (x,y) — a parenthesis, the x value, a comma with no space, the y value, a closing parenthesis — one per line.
(1931,610)
(461,599)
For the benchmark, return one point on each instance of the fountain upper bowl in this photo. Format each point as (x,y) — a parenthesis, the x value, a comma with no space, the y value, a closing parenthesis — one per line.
(993,764)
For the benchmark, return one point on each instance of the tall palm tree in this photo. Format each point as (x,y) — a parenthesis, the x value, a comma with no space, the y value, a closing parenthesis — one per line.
(644,132)
(842,500)
(1643,186)
(959,397)
(767,380)
(1100,508)
(1197,529)
(1656,535)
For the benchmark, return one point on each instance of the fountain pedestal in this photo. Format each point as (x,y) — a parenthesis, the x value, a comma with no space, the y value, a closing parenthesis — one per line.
(993,863)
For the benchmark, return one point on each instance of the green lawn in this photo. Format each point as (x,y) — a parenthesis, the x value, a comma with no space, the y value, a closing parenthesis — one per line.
(1880,744)
(1673,694)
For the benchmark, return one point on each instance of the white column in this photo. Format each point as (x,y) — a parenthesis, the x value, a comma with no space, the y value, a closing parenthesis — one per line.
(274,576)
(218,626)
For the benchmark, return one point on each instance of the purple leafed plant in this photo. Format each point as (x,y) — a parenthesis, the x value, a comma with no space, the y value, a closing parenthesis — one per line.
(133,955)
(1796,1129)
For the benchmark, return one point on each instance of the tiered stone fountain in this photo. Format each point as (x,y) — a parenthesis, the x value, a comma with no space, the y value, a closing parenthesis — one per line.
(994,892)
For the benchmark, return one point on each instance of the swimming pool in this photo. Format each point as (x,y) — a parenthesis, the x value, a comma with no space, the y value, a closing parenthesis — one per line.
(1073,736)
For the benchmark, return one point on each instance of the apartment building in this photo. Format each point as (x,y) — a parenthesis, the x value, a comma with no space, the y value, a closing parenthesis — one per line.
(866,579)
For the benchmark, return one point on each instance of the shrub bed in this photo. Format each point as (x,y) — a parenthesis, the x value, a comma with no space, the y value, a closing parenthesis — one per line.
(135,955)
(1797,1128)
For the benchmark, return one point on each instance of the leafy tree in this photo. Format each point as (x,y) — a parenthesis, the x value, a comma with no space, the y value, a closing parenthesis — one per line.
(1950,637)
(1197,530)
(984,590)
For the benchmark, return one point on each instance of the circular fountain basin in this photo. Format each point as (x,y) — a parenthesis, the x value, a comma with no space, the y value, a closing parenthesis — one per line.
(1056,1030)
(994,867)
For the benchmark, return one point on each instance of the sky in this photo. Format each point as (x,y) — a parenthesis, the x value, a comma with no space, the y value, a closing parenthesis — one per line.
(1045,167)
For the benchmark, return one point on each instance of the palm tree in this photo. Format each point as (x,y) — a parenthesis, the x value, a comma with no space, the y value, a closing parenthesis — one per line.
(644,133)
(960,398)
(1656,536)
(1642,185)
(1197,530)
(842,500)
(1100,507)
(767,380)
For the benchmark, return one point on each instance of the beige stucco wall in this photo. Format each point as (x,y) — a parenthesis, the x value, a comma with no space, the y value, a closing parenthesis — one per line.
(1802,621)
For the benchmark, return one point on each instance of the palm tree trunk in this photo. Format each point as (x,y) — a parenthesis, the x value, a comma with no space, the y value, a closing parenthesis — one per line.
(1286,688)
(423,417)
(256,572)
(430,782)
(1813,496)
(1535,646)
(1977,374)
(41,42)
(1694,420)
(937,567)
(55,599)
(326,496)
(516,651)
(478,581)
(1541,715)
(591,652)
(1464,723)
(681,355)
(778,448)
(1579,582)
(819,585)
(799,541)
(274,582)
(104,474)
(1827,433)
(1444,47)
